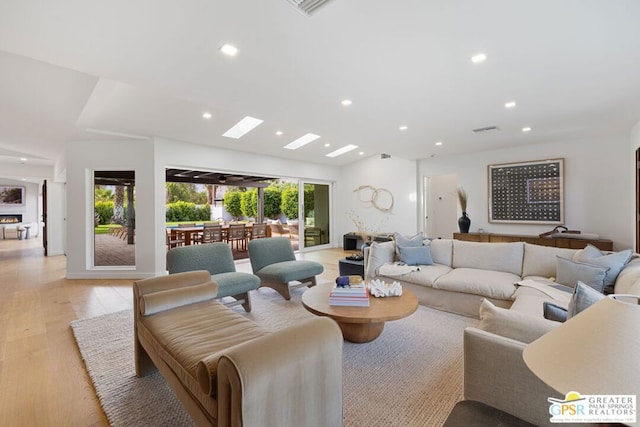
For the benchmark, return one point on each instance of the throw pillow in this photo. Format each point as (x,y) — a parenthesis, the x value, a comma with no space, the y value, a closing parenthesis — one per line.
(583,297)
(419,255)
(413,241)
(569,272)
(512,324)
(554,312)
(615,261)
(379,253)
(406,241)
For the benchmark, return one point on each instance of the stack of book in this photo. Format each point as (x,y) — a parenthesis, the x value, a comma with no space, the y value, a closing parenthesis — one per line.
(351,295)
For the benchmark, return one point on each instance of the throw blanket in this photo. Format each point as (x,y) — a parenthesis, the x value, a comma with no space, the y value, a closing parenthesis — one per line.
(547,289)
(396,269)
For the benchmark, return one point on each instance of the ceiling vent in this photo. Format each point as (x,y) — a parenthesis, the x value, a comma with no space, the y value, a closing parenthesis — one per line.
(486,129)
(385,156)
(307,7)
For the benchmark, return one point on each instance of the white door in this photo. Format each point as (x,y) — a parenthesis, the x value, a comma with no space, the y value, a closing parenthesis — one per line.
(441,206)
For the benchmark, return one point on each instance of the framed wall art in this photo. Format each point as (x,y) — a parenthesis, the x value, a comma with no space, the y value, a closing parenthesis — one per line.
(527,192)
(11,196)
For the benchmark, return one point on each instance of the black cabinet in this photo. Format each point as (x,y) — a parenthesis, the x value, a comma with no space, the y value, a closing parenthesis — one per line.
(353,241)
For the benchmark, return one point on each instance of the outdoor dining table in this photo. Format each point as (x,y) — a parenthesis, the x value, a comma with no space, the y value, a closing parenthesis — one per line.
(190,232)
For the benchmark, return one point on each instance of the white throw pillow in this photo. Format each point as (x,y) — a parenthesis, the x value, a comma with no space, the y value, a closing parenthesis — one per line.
(379,253)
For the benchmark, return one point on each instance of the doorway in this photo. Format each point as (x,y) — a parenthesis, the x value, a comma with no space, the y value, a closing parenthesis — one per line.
(440,206)
(315,209)
(114,219)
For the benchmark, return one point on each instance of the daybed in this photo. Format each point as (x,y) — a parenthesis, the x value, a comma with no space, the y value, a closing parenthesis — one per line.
(225,369)
(463,274)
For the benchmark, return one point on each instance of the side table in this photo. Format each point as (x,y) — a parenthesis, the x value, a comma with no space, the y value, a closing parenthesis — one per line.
(349,267)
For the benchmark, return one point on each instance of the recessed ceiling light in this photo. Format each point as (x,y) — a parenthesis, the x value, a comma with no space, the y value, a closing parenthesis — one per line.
(229,49)
(346,102)
(480,57)
(242,127)
(361,153)
(23,159)
(403,127)
(278,132)
(439,143)
(327,145)
(206,115)
(510,104)
(303,140)
(342,150)
(526,129)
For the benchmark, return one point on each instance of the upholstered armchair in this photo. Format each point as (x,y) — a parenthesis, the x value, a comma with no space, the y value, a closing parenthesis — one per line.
(217,259)
(274,262)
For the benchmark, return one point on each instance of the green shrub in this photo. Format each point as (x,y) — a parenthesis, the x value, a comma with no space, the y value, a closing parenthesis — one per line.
(187,211)
(204,212)
(272,202)
(104,211)
(309,199)
(232,203)
(289,204)
(249,203)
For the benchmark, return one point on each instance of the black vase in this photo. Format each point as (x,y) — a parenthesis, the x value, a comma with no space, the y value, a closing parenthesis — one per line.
(464,223)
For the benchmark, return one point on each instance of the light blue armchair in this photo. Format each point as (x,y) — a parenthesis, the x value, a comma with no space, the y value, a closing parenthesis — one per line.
(274,262)
(217,259)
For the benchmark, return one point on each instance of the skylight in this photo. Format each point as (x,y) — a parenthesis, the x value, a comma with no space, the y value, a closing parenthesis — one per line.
(480,57)
(341,151)
(229,49)
(243,127)
(303,140)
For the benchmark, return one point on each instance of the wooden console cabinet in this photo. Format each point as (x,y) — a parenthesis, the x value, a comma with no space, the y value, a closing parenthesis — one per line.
(559,242)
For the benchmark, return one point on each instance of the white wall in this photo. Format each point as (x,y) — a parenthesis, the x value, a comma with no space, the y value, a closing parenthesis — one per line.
(597,185)
(394,174)
(82,159)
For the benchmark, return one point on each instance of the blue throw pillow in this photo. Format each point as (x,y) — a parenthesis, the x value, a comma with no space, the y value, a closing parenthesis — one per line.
(416,255)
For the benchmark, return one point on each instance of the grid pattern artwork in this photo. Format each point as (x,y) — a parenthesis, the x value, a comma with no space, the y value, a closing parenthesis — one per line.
(528,192)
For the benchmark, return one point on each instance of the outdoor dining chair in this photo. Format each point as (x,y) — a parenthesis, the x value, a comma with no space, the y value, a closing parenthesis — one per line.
(238,234)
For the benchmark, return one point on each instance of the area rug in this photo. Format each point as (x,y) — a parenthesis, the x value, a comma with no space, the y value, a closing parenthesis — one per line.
(410,376)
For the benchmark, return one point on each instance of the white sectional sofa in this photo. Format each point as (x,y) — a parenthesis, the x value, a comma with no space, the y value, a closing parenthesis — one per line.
(465,273)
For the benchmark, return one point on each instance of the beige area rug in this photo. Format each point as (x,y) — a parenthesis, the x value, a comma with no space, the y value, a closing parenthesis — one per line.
(410,376)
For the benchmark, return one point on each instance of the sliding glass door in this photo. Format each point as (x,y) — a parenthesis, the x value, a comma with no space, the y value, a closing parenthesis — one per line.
(315,209)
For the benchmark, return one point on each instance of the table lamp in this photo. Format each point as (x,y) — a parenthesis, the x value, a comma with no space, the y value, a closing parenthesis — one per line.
(597,352)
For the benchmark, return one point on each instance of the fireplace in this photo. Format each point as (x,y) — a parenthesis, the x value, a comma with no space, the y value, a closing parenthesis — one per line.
(10,218)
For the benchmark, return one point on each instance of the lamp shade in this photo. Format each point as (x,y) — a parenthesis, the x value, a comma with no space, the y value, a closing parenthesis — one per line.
(596,352)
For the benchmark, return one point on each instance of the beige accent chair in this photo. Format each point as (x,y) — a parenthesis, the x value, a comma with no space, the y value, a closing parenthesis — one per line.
(228,371)
(277,229)
(294,230)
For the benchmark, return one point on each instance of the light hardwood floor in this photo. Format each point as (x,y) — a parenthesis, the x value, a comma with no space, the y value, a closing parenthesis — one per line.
(42,377)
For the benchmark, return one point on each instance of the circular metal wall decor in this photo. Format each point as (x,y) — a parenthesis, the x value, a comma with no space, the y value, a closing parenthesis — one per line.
(380,198)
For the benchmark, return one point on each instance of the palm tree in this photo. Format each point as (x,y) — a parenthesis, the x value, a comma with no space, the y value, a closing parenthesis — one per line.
(118,206)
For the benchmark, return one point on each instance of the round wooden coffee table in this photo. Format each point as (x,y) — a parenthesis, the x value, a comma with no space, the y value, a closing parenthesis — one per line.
(360,324)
